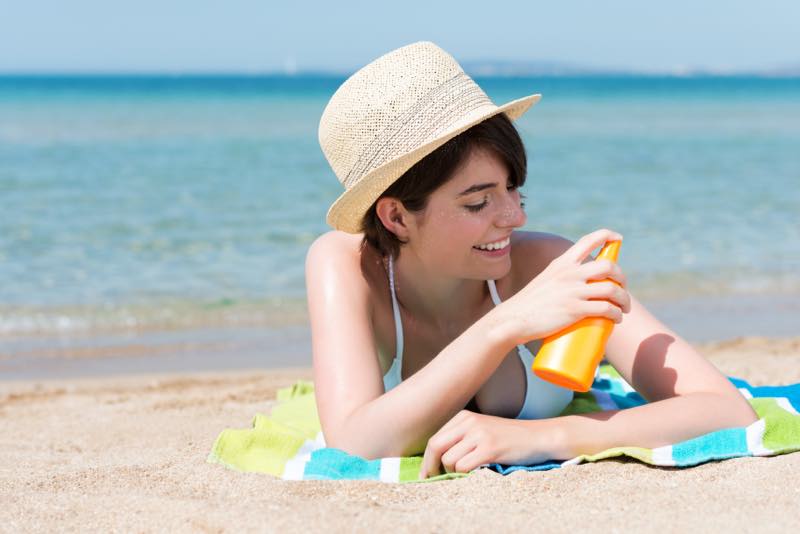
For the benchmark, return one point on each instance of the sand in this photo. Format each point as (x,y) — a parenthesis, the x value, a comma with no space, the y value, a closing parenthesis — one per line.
(129,454)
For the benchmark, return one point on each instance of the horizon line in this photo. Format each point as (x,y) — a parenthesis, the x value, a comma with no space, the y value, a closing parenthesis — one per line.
(499,73)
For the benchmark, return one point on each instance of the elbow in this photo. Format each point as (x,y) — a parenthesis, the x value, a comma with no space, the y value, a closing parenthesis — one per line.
(361,444)
(367,445)
(350,446)
(358,446)
(359,435)
(749,416)
(741,410)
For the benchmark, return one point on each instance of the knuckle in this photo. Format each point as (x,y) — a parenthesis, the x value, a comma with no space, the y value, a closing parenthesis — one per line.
(461,466)
(446,460)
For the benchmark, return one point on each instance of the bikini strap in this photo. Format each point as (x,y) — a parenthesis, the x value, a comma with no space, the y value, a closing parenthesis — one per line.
(493,291)
(524,352)
(398,325)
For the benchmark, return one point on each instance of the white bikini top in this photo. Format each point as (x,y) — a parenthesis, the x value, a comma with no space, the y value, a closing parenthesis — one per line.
(542,399)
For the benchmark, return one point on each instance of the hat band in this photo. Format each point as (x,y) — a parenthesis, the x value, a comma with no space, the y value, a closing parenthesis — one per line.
(435,112)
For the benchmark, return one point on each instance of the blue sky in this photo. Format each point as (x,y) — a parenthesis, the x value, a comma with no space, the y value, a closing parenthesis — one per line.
(266,35)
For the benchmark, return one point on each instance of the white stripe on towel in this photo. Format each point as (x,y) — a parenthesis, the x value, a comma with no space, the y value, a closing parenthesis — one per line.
(390,470)
(755,439)
(295,467)
(663,455)
(784,403)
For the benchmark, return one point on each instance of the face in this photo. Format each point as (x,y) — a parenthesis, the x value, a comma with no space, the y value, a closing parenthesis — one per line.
(477,206)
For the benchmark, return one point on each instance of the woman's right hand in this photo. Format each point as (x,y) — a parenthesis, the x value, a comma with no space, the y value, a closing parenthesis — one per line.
(561,295)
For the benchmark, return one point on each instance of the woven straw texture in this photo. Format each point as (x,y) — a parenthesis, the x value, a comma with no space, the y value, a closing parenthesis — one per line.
(392,113)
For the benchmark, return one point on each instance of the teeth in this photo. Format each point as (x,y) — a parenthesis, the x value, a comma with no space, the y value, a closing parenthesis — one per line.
(495,246)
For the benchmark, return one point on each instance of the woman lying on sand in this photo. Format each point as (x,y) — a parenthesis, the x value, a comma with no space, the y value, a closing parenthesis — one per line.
(427,305)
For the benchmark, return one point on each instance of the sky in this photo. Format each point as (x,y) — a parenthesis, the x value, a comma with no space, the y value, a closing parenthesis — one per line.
(258,36)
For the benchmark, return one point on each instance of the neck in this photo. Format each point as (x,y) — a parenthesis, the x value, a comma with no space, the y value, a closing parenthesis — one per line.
(449,304)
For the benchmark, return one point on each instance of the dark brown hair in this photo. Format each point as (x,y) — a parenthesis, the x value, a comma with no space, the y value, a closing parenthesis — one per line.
(414,187)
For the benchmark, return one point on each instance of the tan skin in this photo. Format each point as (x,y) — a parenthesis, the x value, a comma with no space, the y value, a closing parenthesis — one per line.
(458,344)
(504,393)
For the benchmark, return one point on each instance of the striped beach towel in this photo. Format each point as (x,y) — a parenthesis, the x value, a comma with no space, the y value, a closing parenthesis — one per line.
(289,443)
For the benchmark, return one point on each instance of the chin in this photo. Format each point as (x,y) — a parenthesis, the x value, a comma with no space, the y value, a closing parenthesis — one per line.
(494,268)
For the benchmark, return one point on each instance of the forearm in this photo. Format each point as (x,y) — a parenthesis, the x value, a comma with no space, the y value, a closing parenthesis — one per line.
(399,422)
(651,425)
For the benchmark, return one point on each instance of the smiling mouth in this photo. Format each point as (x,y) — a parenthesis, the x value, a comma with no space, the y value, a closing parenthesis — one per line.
(497,245)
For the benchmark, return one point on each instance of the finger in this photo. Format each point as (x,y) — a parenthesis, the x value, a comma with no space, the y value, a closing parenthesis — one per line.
(438,445)
(455,453)
(441,441)
(586,244)
(601,270)
(472,460)
(604,290)
(601,308)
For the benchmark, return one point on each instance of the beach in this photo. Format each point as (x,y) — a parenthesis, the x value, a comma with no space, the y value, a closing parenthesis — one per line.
(152,256)
(128,452)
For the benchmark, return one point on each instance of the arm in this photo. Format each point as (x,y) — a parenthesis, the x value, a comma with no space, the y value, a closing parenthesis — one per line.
(660,423)
(687,395)
(355,413)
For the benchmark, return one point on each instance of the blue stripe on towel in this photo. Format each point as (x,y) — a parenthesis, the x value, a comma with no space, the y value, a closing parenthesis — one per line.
(335,464)
(719,445)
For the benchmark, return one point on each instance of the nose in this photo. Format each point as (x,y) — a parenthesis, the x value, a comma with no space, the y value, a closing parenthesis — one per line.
(511,213)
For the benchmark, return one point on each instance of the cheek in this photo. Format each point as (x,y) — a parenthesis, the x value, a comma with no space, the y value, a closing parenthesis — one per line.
(458,230)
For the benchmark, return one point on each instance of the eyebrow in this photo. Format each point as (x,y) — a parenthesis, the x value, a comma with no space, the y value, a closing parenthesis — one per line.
(475,188)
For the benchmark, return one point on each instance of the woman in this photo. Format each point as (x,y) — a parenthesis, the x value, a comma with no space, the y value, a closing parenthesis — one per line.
(426,305)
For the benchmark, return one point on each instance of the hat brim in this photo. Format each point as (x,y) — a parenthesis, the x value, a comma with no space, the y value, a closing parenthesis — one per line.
(348,210)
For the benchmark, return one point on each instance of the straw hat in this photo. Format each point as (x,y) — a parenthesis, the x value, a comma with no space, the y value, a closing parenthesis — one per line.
(392,113)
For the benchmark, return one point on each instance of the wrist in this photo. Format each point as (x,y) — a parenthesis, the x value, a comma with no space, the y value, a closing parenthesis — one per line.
(499,331)
(554,434)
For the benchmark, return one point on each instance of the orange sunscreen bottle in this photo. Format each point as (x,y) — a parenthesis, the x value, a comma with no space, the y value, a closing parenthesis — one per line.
(570,357)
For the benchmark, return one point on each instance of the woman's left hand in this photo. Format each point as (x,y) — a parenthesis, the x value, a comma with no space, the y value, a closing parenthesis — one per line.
(470,440)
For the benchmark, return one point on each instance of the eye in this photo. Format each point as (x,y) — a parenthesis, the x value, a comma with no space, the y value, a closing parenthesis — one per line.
(477,207)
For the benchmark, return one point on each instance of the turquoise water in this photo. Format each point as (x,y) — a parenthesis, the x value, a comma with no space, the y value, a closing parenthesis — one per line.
(138,202)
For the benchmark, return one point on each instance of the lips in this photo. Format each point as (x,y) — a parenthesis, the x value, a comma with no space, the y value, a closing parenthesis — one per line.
(495,245)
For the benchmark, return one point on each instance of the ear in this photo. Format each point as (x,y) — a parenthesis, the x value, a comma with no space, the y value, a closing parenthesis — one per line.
(394,217)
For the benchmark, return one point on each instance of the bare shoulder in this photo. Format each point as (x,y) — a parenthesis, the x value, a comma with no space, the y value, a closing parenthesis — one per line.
(532,252)
(339,256)
(334,242)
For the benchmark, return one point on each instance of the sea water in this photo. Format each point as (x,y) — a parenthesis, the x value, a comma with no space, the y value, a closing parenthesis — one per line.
(136,202)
